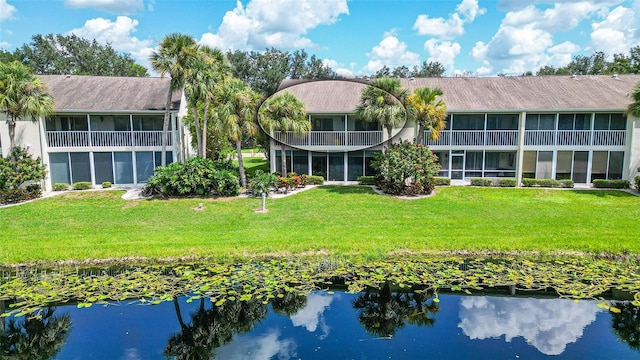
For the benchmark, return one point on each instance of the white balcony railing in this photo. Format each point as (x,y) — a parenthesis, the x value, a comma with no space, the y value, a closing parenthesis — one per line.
(474,138)
(105,138)
(575,137)
(331,138)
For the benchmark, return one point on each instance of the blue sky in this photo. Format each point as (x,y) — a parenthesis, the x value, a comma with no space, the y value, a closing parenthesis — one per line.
(354,37)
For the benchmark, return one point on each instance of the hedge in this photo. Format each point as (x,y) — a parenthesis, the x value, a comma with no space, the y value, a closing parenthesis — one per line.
(442,181)
(367,180)
(315,180)
(82,185)
(550,183)
(611,184)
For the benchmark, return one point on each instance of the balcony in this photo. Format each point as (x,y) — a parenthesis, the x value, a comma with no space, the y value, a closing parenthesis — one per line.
(331,139)
(105,139)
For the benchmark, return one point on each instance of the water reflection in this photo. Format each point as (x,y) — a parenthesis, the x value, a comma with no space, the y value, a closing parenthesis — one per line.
(383,313)
(378,323)
(547,324)
(35,337)
(626,324)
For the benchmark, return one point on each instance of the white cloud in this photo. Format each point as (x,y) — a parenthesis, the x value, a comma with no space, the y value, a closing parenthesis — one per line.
(346,73)
(269,23)
(453,26)
(390,52)
(311,316)
(4,45)
(121,7)
(524,41)
(7,11)
(547,324)
(444,52)
(119,35)
(618,32)
(264,347)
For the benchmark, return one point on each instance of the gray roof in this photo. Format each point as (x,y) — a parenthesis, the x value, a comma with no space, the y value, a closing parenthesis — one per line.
(468,94)
(107,93)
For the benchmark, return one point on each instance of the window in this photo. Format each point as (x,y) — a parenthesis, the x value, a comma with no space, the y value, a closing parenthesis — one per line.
(123,164)
(318,164)
(502,122)
(574,122)
(356,165)
(529,164)
(103,167)
(607,165)
(59,167)
(544,165)
(67,123)
(473,164)
(300,162)
(563,165)
(144,165)
(289,160)
(468,122)
(148,122)
(80,169)
(369,156)
(610,122)
(322,124)
(110,123)
(443,160)
(540,122)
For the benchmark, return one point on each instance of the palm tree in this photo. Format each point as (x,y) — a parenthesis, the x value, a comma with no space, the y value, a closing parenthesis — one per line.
(173,57)
(284,113)
(429,112)
(384,102)
(237,109)
(634,108)
(22,95)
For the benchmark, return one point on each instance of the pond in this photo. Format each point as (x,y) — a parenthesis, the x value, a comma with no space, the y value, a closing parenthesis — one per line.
(374,324)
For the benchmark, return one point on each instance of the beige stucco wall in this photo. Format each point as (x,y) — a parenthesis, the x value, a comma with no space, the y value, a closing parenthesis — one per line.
(27,136)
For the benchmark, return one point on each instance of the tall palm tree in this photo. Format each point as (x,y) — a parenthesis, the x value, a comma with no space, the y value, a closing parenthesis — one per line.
(22,95)
(40,337)
(237,109)
(175,53)
(429,112)
(218,68)
(383,101)
(634,107)
(284,113)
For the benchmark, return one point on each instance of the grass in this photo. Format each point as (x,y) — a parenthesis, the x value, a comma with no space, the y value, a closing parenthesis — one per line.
(341,221)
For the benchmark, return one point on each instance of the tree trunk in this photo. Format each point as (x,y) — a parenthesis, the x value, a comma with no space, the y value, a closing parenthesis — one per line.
(420,136)
(243,176)
(283,157)
(389,133)
(165,128)
(12,135)
(196,120)
(183,326)
(205,119)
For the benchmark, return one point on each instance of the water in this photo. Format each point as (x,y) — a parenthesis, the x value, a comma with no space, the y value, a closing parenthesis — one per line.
(376,325)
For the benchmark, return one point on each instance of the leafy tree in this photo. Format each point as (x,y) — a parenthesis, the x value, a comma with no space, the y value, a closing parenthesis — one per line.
(429,112)
(406,169)
(284,113)
(264,71)
(383,72)
(71,54)
(429,69)
(400,72)
(37,337)
(22,95)
(7,57)
(634,107)
(238,106)
(597,64)
(383,102)
(175,54)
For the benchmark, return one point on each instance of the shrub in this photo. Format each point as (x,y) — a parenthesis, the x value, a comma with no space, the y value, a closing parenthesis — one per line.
(611,184)
(284,183)
(12,196)
(195,177)
(34,190)
(106,184)
(636,180)
(567,183)
(315,180)
(82,185)
(20,168)
(60,187)
(506,182)
(550,183)
(406,169)
(442,181)
(481,182)
(367,180)
(262,183)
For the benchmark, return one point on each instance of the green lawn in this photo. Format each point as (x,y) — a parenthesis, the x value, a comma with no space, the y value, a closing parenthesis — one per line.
(340,221)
